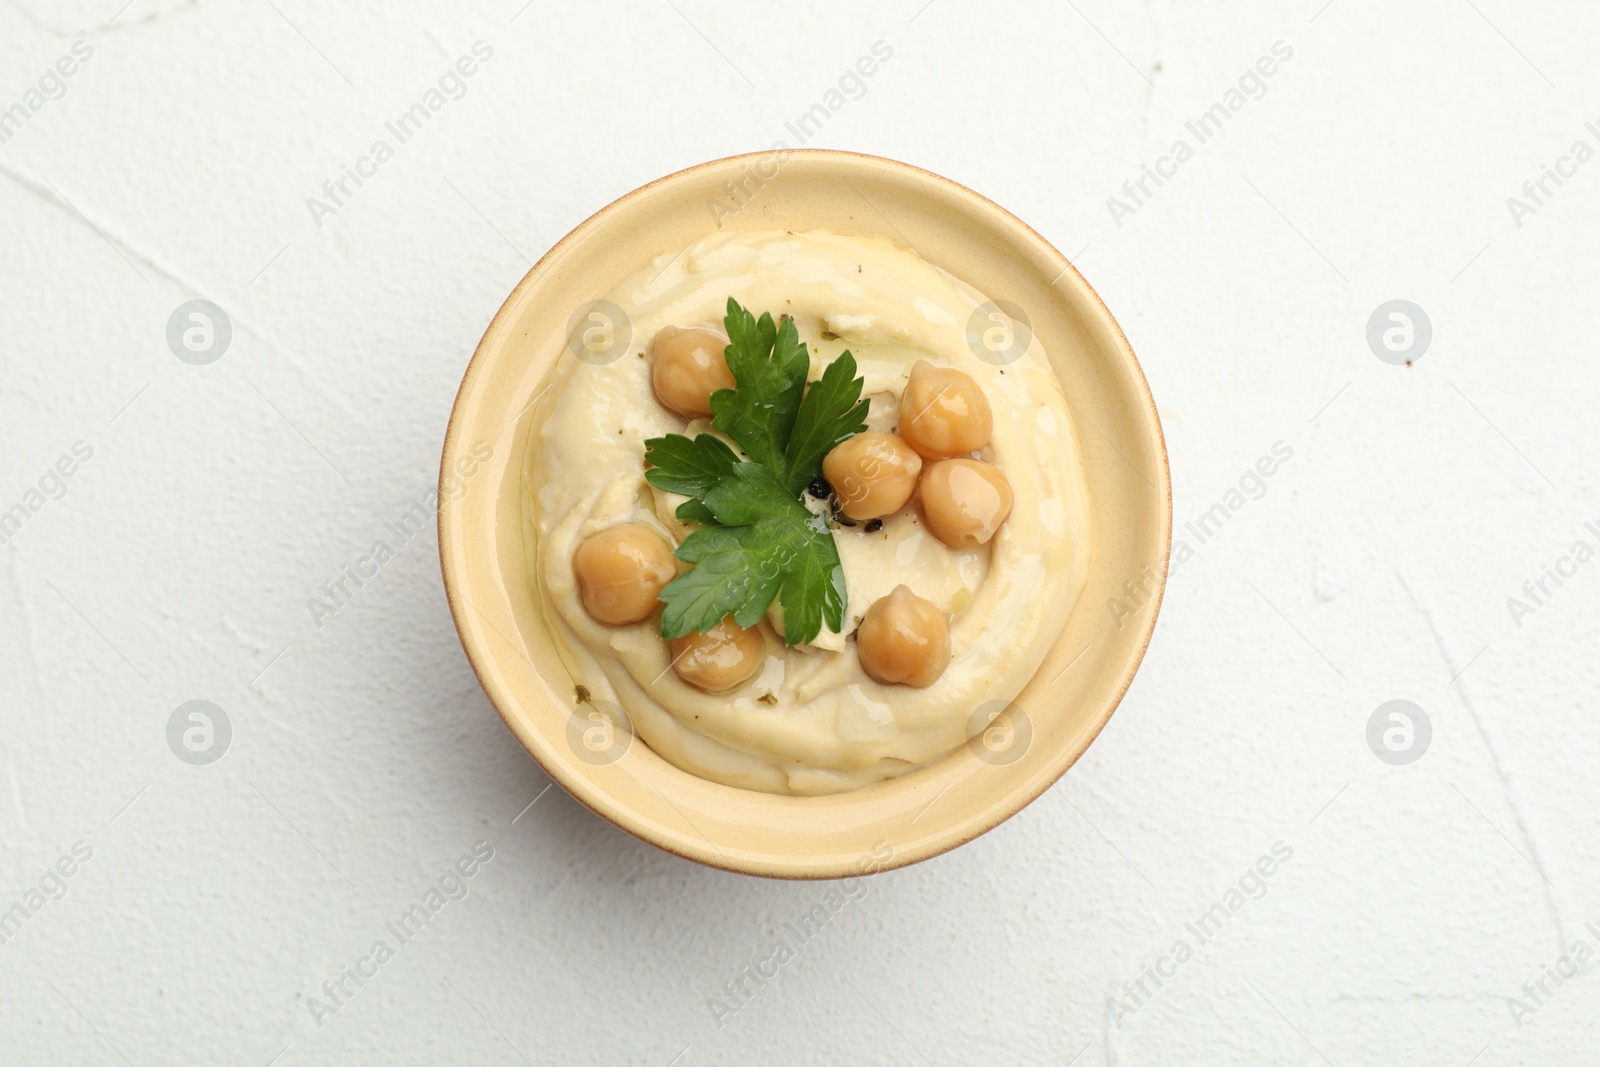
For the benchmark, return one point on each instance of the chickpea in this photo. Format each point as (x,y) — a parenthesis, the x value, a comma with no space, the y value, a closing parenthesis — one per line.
(904,640)
(686,367)
(620,572)
(724,656)
(873,474)
(943,412)
(964,501)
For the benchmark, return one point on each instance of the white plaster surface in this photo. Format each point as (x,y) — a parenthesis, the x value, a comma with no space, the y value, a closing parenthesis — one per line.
(365,759)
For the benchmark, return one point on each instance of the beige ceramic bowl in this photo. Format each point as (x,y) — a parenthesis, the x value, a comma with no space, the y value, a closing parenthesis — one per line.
(893,823)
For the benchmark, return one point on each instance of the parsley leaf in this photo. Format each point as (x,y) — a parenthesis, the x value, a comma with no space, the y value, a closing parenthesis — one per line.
(760,542)
(691,467)
(827,415)
(769,365)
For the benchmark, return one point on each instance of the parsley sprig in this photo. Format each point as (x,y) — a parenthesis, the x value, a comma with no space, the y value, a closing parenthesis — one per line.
(759,541)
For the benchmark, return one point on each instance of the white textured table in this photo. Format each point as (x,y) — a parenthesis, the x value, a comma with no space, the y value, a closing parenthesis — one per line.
(211,501)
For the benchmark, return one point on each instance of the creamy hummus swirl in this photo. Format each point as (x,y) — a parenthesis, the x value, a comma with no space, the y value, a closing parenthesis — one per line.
(812,722)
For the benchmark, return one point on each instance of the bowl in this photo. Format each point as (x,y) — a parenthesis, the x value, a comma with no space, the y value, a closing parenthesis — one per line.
(1020,752)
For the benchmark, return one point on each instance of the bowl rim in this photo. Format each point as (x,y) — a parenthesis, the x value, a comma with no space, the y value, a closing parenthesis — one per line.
(586,792)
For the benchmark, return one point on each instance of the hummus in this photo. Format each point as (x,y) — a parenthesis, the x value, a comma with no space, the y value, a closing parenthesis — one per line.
(811,722)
